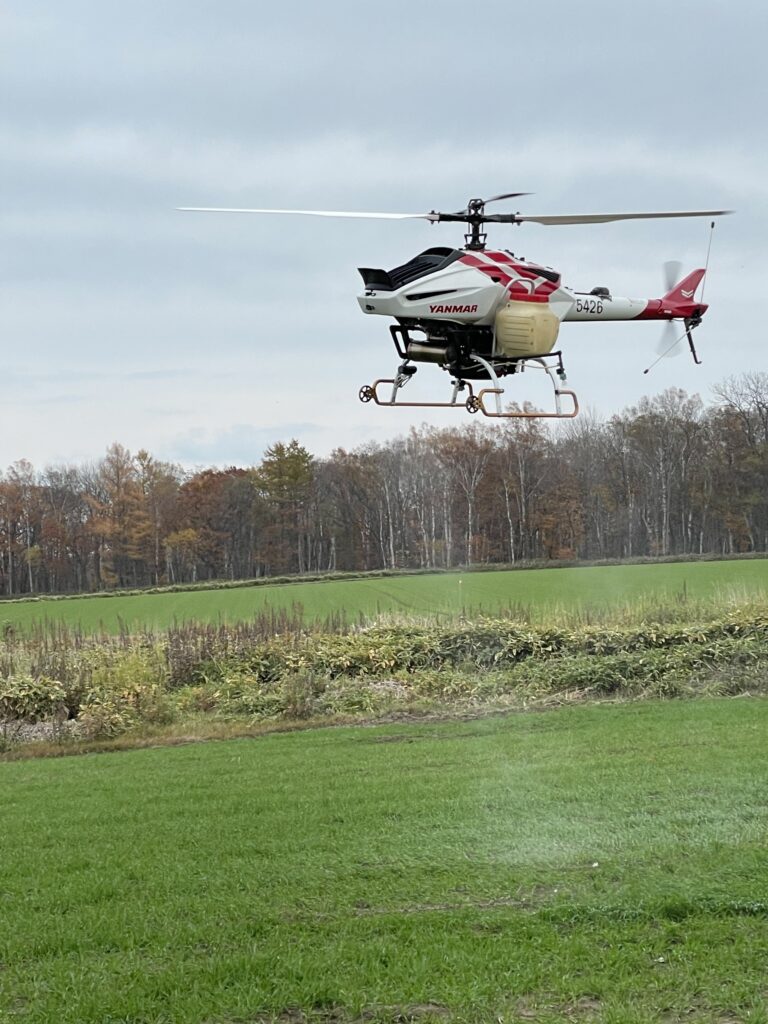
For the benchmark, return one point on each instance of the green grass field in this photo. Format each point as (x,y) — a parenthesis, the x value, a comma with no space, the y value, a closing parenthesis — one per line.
(537,590)
(600,863)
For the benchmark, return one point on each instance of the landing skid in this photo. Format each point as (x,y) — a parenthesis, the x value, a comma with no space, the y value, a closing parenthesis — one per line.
(551,365)
(370,392)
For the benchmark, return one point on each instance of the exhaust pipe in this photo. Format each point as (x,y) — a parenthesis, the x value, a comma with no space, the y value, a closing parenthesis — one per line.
(420,353)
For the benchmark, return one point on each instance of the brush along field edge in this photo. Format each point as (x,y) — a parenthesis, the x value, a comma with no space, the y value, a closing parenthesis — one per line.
(67,687)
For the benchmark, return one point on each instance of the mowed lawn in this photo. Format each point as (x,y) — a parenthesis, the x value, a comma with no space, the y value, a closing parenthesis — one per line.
(536,589)
(604,863)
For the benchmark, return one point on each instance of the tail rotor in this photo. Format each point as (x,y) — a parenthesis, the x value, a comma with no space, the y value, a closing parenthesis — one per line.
(668,345)
(671,271)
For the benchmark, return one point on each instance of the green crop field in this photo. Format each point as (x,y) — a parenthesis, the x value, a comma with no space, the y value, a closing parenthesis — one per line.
(589,864)
(536,590)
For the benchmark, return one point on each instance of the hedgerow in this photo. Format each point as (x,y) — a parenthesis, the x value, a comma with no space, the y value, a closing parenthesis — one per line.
(110,685)
(484,645)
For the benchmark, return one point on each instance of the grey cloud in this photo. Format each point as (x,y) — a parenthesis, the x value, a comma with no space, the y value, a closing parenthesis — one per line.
(272,72)
(241,444)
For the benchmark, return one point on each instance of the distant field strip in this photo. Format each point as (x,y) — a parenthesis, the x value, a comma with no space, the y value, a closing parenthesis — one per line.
(587,864)
(490,592)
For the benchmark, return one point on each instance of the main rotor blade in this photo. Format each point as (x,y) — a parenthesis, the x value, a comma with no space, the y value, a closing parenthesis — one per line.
(502,195)
(312,213)
(507,195)
(463,215)
(604,218)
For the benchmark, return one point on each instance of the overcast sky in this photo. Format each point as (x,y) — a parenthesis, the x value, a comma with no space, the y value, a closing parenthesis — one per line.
(205,338)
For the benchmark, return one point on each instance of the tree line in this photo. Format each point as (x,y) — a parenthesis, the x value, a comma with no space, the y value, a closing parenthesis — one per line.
(668,476)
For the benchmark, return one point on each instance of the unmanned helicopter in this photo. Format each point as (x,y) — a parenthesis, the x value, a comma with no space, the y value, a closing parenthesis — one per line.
(482,313)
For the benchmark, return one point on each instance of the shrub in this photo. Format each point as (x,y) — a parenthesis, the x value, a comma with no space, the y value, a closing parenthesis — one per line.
(245,695)
(299,692)
(31,700)
(109,710)
(358,696)
(103,714)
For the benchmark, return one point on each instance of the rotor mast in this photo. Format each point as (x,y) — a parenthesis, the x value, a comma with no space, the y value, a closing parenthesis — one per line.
(475,238)
(475,217)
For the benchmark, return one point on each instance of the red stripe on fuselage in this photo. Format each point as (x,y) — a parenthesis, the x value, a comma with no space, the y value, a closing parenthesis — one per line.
(517,286)
(489,269)
(500,257)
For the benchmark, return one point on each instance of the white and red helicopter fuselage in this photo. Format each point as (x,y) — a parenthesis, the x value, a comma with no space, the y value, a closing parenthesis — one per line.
(470,288)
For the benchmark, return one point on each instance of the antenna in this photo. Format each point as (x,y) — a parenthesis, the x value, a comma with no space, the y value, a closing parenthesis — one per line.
(706,264)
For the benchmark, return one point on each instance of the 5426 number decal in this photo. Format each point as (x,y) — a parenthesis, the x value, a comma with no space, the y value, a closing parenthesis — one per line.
(589,306)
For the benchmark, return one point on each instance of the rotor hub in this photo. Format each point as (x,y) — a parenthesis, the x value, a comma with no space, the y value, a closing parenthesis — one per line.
(475,238)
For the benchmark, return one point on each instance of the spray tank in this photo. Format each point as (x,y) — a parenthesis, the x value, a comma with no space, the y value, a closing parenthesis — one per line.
(524,329)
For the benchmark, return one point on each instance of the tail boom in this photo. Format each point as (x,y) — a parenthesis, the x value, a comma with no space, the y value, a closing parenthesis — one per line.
(678,304)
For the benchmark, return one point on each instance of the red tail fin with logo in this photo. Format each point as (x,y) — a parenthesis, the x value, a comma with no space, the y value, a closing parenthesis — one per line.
(684,291)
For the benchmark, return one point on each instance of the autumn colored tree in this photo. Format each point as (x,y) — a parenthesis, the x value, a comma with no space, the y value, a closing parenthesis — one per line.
(219,524)
(465,454)
(522,466)
(159,484)
(284,480)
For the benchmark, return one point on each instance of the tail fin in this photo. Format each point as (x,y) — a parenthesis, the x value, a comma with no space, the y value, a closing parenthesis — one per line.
(685,290)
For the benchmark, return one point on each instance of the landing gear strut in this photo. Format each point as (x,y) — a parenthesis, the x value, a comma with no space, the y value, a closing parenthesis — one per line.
(689,326)
(369,392)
